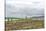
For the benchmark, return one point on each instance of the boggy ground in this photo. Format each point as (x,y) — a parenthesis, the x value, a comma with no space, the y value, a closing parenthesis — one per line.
(24,24)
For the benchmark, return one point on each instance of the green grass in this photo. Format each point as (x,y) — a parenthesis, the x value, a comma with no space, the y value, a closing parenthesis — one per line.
(24,24)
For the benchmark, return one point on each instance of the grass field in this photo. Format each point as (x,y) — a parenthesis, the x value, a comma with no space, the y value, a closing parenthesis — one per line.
(21,24)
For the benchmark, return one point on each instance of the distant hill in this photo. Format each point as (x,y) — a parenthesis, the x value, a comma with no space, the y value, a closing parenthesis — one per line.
(38,18)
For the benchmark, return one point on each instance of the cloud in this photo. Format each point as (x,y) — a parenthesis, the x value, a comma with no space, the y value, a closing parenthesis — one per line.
(22,8)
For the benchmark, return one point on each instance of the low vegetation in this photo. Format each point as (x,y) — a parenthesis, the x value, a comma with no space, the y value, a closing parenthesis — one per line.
(26,23)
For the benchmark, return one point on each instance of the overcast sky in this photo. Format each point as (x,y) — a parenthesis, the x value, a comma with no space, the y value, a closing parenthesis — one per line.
(22,8)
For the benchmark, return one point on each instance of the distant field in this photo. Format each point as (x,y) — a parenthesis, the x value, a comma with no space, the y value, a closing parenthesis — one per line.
(26,23)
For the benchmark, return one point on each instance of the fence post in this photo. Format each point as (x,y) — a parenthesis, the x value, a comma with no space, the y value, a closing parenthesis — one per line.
(11,19)
(8,19)
(26,17)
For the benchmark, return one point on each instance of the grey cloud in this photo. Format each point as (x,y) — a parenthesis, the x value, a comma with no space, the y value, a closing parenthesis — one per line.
(26,10)
(23,11)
